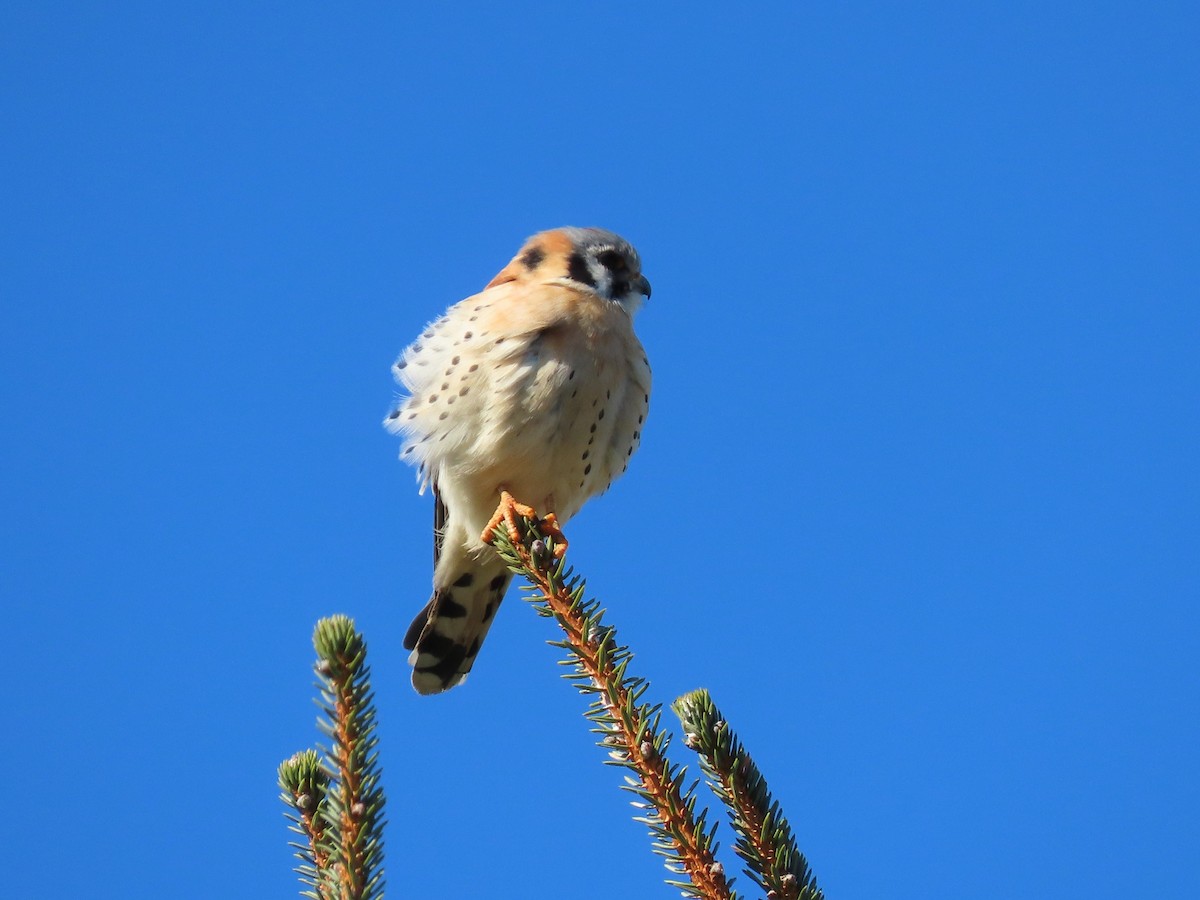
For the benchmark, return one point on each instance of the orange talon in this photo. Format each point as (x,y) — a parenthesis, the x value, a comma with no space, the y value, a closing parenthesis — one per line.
(507,512)
(549,527)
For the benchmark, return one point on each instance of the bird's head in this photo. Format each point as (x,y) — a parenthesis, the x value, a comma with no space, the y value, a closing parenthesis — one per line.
(589,259)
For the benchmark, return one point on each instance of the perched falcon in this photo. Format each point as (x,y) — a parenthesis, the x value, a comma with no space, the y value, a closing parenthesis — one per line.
(536,386)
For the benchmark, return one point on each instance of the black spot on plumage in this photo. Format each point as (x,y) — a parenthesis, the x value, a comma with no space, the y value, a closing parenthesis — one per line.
(465,579)
(498,582)
(449,607)
(438,645)
(613,261)
(395,414)
(593,428)
(601,416)
(587,470)
(577,269)
(446,669)
(467,336)
(473,650)
(490,610)
(475,366)
(532,258)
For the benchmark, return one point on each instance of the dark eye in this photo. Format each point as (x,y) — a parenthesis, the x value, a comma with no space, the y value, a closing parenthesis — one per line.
(613,261)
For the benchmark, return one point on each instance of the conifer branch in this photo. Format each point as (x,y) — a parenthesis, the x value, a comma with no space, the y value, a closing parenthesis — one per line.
(629,728)
(354,809)
(304,784)
(765,838)
(338,799)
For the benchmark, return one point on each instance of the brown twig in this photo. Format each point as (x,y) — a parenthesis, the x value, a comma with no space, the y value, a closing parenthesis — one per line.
(304,785)
(765,839)
(350,866)
(631,728)
(354,808)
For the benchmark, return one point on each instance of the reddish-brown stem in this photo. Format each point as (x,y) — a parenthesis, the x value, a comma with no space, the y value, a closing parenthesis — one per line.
(351,869)
(783,889)
(314,829)
(663,791)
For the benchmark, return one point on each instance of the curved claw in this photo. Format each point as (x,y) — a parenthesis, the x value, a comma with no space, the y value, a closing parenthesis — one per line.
(507,512)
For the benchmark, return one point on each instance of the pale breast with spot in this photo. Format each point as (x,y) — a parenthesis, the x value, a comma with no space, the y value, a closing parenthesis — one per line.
(568,404)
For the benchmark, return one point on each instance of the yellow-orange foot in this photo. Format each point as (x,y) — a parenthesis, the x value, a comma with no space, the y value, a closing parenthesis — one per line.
(549,527)
(507,512)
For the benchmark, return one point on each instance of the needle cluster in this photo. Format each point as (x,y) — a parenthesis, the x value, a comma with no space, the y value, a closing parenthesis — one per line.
(628,726)
(764,837)
(335,797)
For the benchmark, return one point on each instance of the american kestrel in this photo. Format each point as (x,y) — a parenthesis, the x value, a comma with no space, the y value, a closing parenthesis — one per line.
(537,386)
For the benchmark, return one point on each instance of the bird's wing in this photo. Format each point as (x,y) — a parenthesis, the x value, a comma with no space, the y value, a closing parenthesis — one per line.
(439,525)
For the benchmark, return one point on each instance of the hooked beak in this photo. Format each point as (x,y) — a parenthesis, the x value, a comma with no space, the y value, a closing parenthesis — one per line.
(643,286)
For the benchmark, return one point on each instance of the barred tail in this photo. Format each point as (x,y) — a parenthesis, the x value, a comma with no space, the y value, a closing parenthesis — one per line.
(446,635)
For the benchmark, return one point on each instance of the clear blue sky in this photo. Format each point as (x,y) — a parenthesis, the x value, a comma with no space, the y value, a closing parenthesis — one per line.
(917,498)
